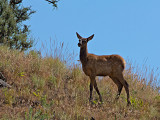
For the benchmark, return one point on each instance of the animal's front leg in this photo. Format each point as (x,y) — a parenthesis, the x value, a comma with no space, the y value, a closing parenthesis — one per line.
(92,81)
(97,90)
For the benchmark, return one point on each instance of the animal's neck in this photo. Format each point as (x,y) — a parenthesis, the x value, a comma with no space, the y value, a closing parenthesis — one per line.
(83,54)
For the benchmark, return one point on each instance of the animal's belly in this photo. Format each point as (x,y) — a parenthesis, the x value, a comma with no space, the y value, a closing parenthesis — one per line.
(98,70)
(103,70)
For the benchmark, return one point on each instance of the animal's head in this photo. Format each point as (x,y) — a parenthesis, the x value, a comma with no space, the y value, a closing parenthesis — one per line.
(83,41)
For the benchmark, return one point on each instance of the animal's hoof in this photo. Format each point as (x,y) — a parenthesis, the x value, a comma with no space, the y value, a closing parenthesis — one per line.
(129,103)
(92,118)
(100,98)
(90,100)
(101,101)
(117,97)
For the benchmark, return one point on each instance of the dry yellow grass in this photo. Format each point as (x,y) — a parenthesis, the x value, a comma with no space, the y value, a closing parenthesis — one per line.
(47,88)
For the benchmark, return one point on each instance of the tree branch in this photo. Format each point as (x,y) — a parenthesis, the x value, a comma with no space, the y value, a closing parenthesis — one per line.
(53,2)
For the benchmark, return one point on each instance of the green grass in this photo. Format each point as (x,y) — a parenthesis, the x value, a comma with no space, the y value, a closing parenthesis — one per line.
(48,88)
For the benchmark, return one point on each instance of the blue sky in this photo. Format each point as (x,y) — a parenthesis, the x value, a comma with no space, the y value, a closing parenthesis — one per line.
(128,28)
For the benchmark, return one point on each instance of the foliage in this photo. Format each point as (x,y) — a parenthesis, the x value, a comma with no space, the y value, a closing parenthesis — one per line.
(13,32)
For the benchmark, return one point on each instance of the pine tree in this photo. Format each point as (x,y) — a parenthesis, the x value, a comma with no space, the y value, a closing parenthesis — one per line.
(13,32)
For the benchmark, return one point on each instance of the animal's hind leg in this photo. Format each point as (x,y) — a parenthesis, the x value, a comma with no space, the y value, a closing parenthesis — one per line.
(119,85)
(126,86)
(97,90)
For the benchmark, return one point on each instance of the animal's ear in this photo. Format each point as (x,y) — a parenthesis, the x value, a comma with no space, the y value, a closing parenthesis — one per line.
(90,38)
(79,37)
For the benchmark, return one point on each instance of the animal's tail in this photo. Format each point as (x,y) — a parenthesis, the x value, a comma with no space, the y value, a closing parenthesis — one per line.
(124,63)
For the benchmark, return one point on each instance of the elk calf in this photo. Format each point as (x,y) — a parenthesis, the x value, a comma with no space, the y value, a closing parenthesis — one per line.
(105,65)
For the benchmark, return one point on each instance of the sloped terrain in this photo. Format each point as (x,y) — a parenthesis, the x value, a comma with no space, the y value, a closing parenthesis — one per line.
(49,88)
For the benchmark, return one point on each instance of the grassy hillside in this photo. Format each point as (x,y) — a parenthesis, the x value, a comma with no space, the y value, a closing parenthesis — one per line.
(49,88)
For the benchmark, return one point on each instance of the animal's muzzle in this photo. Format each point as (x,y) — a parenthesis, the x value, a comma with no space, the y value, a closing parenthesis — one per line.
(79,45)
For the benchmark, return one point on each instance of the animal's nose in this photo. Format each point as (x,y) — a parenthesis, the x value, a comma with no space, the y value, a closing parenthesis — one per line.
(79,44)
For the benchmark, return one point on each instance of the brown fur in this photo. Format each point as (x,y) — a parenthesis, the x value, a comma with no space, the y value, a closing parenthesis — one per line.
(105,65)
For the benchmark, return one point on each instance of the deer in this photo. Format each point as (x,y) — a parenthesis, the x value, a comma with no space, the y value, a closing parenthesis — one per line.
(102,65)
